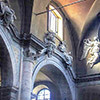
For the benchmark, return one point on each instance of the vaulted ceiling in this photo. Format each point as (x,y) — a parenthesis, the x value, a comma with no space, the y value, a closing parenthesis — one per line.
(77,12)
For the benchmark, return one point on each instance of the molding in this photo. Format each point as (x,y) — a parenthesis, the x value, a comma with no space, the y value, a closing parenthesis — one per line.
(80,79)
(35,42)
(19,38)
(7,93)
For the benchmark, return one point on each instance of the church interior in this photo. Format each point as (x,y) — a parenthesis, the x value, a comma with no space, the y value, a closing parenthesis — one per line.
(49,49)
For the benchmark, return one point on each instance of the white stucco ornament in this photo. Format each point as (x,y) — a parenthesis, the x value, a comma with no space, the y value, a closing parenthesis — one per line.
(92,48)
(7,15)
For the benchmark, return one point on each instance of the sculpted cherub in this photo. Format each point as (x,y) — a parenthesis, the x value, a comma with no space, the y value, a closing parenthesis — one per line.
(91,47)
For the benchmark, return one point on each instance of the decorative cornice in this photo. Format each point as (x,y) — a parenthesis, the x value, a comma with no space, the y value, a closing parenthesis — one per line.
(35,42)
(6,93)
(79,79)
(29,40)
(9,87)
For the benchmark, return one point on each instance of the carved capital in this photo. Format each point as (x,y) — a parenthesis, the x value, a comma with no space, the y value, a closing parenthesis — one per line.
(25,42)
(25,39)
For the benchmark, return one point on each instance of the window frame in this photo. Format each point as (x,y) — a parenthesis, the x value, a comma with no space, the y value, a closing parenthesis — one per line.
(42,90)
(58,15)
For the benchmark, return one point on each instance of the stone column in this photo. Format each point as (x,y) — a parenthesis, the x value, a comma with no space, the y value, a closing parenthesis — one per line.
(26,79)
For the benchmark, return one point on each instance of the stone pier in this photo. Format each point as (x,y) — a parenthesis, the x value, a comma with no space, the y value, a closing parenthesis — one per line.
(26,79)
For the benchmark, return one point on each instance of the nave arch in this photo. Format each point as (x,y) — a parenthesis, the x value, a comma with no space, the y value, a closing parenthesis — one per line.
(9,82)
(56,76)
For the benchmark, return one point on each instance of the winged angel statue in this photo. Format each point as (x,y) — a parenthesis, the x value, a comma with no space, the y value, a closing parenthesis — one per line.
(91,48)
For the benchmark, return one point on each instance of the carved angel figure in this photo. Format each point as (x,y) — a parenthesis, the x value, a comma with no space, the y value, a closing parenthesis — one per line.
(63,48)
(7,15)
(91,47)
(49,40)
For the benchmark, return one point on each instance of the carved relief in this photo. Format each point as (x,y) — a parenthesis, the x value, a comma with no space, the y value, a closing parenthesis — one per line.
(91,49)
(49,40)
(63,48)
(7,15)
(49,50)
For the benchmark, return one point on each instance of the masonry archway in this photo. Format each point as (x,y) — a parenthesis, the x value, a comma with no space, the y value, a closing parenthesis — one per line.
(54,73)
(7,66)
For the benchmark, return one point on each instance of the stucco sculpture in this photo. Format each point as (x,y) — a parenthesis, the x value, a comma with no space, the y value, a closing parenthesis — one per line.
(63,48)
(49,40)
(91,47)
(7,15)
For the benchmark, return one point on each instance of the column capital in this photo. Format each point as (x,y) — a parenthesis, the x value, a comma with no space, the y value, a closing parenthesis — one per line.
(29,59)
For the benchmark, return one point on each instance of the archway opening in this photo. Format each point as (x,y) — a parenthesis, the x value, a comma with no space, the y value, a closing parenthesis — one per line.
(55,81)
(6,73)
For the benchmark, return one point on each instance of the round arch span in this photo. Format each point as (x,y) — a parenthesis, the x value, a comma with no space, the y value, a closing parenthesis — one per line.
(7,59)
(54,69)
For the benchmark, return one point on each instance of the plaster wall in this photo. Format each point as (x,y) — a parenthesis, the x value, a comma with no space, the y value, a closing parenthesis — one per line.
(39,26)
(39,23)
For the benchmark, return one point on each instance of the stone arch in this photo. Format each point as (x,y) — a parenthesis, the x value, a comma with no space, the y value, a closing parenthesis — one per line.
(6,66)
(7,60)
(54,69)
(54,91)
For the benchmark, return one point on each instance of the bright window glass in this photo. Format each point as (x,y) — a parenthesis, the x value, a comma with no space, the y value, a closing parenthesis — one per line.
(55,22)
(43,94)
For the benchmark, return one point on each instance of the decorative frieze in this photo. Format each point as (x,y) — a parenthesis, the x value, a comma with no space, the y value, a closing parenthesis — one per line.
(49,40)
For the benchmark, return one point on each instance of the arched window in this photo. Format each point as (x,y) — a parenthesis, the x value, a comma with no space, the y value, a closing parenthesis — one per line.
(43,94)
(55,22)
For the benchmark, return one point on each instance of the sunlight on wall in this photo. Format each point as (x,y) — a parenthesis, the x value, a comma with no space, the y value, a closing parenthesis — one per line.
(38,88)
